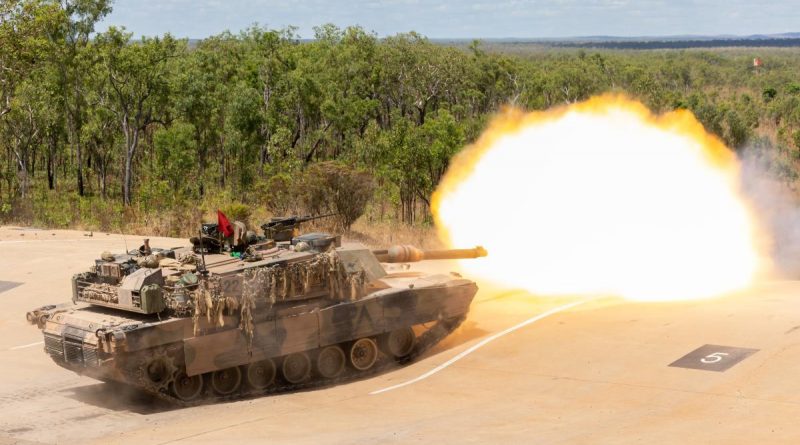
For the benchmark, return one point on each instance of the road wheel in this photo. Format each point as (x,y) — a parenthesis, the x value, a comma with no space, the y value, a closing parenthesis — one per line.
(226,381)
(399,343)
(159,371)
(261,374)
(296,367)
(330,362)
(187,388)
(363,354)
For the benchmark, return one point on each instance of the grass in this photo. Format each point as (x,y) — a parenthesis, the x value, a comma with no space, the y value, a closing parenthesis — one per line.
(54,210)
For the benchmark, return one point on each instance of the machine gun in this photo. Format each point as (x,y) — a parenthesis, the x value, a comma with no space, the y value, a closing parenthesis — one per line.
(284,228)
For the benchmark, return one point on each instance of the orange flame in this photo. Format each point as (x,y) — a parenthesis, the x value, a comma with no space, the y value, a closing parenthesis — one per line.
(601,197)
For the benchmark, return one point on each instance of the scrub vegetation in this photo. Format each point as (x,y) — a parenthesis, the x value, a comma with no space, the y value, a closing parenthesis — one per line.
(105,132)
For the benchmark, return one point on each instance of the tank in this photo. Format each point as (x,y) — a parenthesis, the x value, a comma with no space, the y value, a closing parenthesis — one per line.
(207,322)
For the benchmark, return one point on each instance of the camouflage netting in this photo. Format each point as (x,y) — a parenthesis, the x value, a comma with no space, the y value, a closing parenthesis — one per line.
(150,261)
(209,301)
(189,258)
(100,292)
(186,262)
(278,283)
(297,280)
(169,263)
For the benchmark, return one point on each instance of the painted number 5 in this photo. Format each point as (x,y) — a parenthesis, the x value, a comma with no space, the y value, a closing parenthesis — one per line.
(713,358)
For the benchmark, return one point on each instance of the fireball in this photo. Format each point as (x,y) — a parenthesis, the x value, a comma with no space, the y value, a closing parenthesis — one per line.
(601,198)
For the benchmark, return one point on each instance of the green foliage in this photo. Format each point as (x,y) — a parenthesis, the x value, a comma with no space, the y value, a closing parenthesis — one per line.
(279,194)
(237,211)
(769,93)
(175,148)
(99,128)
(333,187)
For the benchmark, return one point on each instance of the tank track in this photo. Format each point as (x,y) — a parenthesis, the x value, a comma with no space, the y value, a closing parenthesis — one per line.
(424,342)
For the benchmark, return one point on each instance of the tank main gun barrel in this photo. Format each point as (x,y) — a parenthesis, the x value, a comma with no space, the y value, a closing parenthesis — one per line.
(411,254)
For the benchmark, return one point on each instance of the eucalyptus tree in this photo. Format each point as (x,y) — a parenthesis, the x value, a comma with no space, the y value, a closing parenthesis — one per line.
(101,129)
(417,73)
(25,132)
(136,75)
(24,25)
(69,42)
(347,76)
(268,58)
(203,79)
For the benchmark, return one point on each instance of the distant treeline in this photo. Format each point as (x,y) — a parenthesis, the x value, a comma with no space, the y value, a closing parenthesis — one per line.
(101,130)
(680,44)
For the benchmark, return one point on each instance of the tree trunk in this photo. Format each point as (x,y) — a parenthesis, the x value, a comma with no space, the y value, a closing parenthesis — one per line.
(51,177)
(131,142)
(422,109)
(78,161)
(103,181)
(22,172)
(201,154)
(126,183)
(262,158)
(265,130)
(51,171)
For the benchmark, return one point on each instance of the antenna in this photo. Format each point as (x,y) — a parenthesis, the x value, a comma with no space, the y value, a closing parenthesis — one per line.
(124,240)
(203,271)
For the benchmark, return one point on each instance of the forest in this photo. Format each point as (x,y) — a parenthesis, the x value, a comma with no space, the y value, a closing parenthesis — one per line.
(102,131)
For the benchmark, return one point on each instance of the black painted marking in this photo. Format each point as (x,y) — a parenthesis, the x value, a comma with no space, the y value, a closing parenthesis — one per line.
(713,358)
(8,285)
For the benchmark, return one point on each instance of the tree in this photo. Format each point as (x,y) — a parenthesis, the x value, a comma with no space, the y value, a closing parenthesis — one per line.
(203,77)
(69,42)
(242,134)
(333,187)
(23,29)
(100,130)
(137,81)
(25,133)
(269,59)
(417,73)
(175,148)
(438,140)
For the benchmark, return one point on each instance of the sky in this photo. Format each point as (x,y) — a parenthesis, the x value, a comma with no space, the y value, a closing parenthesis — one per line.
(462,19)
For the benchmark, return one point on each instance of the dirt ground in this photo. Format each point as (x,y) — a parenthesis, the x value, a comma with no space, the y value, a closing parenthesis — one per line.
(520,370)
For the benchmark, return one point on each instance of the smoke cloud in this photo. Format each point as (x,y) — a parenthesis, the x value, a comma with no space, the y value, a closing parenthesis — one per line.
(778,210)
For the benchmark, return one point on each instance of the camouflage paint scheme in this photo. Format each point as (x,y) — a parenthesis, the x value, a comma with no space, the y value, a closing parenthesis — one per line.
(283,302)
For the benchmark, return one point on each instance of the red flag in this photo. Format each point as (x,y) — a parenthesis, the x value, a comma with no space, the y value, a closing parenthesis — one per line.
(223,224)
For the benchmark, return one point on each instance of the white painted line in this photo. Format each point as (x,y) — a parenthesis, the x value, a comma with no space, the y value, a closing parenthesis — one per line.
(481,344)
(26,346)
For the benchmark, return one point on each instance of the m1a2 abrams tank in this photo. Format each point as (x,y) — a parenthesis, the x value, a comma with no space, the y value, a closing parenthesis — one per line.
(192,326)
